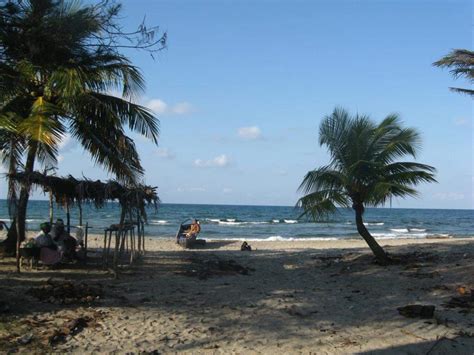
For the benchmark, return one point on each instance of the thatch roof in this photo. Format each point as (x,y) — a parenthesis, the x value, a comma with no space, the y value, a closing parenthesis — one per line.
(69,190)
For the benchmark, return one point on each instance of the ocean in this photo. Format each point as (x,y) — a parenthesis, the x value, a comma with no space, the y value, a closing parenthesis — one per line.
(270,222)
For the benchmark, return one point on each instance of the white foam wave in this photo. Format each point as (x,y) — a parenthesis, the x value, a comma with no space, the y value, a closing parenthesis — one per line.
(158,222)
(398,235)
(399,230)
(374,223)
(276,221)
(227,223)
(230,219)
(440,236)
(417,230)
(278,238)
(290,221)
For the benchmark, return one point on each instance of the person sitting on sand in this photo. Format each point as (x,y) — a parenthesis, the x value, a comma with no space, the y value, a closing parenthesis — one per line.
(193,230)
(49,253)
(66,243)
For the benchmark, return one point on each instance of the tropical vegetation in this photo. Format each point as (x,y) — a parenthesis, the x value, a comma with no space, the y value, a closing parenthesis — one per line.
(461,64)
(62,73)
(364,169)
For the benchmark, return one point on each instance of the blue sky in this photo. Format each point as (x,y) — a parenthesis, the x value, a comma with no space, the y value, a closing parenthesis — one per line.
(243,85)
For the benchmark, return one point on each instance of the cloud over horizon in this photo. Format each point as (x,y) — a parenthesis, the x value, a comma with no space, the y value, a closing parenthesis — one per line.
(165,153)
(160,107)
(220,161)
(249,133)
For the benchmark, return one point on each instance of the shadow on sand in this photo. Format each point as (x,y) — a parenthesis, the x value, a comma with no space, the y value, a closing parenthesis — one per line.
(318,297)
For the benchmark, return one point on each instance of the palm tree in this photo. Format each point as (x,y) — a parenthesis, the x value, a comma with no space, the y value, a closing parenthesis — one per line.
(461,63)
(363,170)
(56,77)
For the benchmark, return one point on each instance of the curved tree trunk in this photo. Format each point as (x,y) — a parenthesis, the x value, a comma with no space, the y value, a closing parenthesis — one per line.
(378,251)
(8,246)
(23,202)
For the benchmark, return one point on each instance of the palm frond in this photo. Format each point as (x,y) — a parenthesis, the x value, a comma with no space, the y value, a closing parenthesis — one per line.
(322,179)
(321,203)
(364,167)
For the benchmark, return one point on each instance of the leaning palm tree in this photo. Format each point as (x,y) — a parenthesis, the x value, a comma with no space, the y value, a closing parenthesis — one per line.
(59,64)
(363,170)
(461,63)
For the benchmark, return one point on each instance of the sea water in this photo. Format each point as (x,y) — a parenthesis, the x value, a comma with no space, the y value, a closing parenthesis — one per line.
(269,222)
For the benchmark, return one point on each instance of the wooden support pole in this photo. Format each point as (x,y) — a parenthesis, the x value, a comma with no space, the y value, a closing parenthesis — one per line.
(86,234)
(51,211)
(108,247)
(68,218)
(143,240)
(80,213)
(117,240)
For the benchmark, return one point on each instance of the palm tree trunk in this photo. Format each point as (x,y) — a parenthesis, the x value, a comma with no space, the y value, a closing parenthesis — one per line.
(23,201)
(378,251)
(8,246)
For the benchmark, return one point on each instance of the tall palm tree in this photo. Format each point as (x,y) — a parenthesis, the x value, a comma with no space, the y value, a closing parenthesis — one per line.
(56,77)
(461,63)
(363,170)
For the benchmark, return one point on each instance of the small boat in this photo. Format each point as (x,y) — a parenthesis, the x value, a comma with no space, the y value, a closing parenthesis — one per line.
(189,241)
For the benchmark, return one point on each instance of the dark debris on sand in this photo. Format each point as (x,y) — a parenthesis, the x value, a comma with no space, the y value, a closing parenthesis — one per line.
(66,292)
(205,268)
(465,300)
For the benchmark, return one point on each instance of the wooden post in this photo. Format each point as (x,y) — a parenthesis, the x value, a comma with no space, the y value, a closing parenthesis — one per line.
(68,218)
(132,244)
(108,247)
(105,246)
(51,212)
(117,241)
(85,242)
(80,213)
(143,236)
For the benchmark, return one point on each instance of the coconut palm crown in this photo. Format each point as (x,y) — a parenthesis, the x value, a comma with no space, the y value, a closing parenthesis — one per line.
(59,69)
(364,169)
(461,64)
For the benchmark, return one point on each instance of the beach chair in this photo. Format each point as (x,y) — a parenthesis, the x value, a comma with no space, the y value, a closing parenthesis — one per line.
(185,241)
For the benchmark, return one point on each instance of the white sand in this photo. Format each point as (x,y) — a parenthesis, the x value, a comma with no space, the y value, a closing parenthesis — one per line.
(296,301)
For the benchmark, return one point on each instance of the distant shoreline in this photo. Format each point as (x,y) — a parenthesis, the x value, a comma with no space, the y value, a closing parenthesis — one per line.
(283,206)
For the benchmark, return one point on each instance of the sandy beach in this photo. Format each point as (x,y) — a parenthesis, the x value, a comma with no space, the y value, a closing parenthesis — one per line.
(325,297)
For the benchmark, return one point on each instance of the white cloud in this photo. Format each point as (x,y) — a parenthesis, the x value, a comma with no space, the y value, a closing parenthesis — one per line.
(67,144)
(165,153)
(160,107)
(220,161)
(461,122)
(449,196)
(182,108)
(198,189)
(191,189)
(60,158)
(157,106)
(250,133)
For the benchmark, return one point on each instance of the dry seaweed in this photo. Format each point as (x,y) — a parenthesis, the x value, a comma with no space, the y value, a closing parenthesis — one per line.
(66,292)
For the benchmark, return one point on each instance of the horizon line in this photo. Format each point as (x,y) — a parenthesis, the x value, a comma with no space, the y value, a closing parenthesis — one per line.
(266,205)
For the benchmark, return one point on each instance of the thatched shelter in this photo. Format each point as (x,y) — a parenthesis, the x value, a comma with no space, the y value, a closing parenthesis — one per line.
(69,191)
